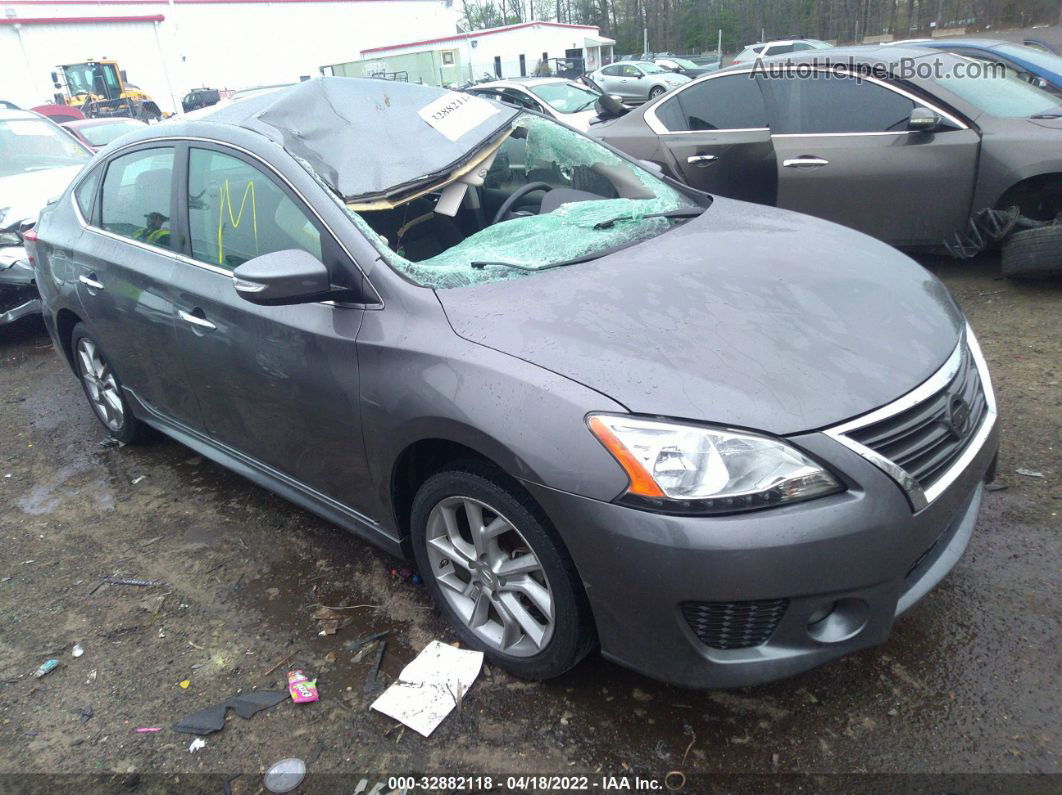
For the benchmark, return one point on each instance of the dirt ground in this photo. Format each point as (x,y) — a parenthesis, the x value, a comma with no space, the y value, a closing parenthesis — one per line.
(967,684)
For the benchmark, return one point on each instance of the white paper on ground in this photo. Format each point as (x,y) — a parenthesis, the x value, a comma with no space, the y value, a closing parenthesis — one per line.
(428,688)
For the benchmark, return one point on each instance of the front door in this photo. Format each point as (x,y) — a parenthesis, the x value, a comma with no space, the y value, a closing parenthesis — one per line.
(123,263)
(845,153)
(276,384)
(716,136)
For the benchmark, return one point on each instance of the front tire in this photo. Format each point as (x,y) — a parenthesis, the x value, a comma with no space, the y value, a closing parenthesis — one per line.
(656,92)
(103,389)
(498,572)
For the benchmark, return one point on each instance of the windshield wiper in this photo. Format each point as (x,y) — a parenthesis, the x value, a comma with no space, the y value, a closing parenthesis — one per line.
(681,212)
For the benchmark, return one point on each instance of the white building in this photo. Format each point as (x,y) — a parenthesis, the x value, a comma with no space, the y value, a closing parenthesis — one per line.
(167,47)
(509,51)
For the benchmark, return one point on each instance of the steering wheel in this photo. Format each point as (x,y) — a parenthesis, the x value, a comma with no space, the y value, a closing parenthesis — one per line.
(516,195)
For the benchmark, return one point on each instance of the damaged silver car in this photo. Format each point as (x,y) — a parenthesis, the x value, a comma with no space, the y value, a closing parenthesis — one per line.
(919,148)
(37,162)
(598,408)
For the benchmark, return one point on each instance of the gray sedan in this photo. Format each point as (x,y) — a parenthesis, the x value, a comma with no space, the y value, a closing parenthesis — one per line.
(596,408)
(909,160)
(636,81)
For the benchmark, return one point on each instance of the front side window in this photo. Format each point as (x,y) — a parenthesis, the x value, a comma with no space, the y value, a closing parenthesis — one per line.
(828,103)
(721,103)
(137,192)
(631,71)
(33,144)
(236,213)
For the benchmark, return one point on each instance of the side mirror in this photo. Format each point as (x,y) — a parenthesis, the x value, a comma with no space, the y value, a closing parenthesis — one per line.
(283,278)
(609,107)
(651,167)
(924,120)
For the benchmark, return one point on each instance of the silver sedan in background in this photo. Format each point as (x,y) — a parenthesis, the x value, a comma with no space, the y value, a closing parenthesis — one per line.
(636,81)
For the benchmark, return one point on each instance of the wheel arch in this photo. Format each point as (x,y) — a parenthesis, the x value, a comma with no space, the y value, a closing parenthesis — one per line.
(65,321)
(1026,191)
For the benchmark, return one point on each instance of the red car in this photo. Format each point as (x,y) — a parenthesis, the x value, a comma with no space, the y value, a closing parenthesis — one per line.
(97,133)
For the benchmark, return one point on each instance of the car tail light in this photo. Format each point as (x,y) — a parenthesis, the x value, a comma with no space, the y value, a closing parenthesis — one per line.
(29,236)
(29,239)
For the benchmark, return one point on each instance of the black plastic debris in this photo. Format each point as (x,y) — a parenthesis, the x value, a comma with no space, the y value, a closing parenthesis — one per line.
(212,719)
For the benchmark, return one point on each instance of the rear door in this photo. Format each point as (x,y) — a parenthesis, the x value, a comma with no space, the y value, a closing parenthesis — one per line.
(845,153)
(715,133)
(277,384)
(122,264)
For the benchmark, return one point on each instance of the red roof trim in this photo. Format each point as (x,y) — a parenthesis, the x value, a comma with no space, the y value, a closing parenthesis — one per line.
(473,35)
(77,20)
(102,3)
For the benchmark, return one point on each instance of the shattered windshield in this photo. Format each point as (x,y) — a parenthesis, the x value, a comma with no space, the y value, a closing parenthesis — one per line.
(541,196)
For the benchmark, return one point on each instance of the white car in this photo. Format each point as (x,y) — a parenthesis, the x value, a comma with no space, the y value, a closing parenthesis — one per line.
(37,162)
(765,49)
(564,100)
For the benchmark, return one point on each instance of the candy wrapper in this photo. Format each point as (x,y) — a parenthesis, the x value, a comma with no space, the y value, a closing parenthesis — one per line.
(303,690)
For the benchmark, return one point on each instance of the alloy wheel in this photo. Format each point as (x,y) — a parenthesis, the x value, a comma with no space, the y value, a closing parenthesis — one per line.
(490,576)
(100,384)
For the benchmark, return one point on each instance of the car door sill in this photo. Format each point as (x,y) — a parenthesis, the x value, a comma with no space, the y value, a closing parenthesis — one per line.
(270,478)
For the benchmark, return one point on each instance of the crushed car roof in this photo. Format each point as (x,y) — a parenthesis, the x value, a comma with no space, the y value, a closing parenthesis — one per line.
(368,138)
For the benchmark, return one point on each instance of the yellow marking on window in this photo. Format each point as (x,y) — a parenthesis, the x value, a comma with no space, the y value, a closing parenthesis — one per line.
(226,201)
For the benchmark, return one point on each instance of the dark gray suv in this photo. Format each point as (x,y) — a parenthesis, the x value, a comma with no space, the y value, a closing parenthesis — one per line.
(597,408)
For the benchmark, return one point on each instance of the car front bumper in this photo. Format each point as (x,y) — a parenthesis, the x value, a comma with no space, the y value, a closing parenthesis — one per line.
(18,296)
(658,584)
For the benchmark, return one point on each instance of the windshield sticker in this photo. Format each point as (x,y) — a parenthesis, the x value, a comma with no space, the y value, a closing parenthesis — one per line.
(454,115)
(235,218)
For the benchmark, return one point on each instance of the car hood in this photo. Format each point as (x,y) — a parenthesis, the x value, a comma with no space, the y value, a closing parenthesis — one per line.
(747,316)
(581,120)
(24,195)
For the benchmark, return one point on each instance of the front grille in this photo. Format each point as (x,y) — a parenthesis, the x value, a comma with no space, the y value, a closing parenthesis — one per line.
(926,439)
(734,625)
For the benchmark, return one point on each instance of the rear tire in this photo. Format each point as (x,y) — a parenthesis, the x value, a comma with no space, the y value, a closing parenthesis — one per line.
(103,389)
(1034,253)
(509,590)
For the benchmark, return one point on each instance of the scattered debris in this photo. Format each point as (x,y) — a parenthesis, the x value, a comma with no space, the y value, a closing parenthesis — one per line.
(78,650)
(86,714)
(46,668)
(184,683)
(330,657)
(138,478)
(373,681)
(109,443)
(330,620)
(996,487)
(148,729)
(285,775)
(282,662)
(212,719)
(425,691)
(196,744)
(1029,473)
(123,581)
(360,645)
(303,689)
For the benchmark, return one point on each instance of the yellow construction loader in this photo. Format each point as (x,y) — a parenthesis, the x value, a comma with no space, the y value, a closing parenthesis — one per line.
(99,89)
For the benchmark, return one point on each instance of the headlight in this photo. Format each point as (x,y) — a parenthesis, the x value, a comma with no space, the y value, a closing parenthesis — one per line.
(696,469)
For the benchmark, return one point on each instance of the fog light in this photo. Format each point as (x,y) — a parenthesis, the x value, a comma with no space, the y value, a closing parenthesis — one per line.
(821,613)
(838,621)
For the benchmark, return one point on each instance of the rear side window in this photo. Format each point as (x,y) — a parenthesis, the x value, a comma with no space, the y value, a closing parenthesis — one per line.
(85,193)
(611,70)
(721,103)
(237,213)
(137,191)
(828,103)
(779,49)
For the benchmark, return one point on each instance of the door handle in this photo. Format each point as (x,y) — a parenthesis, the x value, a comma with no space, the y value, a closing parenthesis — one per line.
(90,282)
(701,160)
(805,162)
(195,320)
